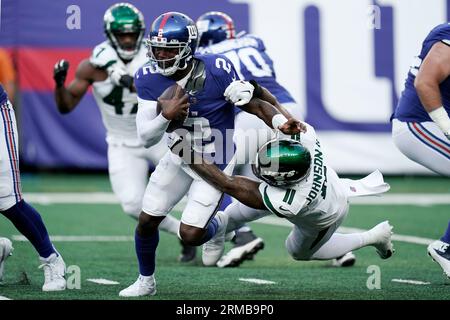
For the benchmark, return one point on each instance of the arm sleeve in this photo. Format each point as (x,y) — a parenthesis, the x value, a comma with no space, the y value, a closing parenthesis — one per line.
(150,126)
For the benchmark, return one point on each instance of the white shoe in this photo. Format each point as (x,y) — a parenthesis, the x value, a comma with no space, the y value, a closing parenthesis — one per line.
(6,250)
(213,249)
(380,236)
(54,272)
(239,254)
(347,260)
(144,286)
(439,251)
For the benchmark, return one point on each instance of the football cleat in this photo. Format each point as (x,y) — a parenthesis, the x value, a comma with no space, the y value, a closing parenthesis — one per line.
(213,249)
(54,273)
(144,286)
(188,253)
(241,251)
(347,260)
(439,251)
(6,250)
(381,239)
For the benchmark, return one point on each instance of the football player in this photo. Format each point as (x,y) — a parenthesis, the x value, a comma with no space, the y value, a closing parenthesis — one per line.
(296,184)
(209,120)
(248,54)
(12,205)
(421,122)
(110,71)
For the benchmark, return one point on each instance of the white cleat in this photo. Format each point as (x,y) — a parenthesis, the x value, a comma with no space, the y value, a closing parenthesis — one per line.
(213,249)
(237,255)
(347,260)
(439,251)
(144,286)
(381,239)
(54,273)
(6,250)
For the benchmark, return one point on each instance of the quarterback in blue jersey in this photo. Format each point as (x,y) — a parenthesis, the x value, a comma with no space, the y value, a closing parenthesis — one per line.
(12,205)
(421,122)
(208,125)
(248,54)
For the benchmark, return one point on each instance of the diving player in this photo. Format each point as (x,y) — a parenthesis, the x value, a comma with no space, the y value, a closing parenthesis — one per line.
(110,71)
(421,122)
(297,185)
(248,55)
(209,124)
(12,205)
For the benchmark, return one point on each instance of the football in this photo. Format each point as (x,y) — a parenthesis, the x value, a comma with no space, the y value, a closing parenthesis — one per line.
(170,93)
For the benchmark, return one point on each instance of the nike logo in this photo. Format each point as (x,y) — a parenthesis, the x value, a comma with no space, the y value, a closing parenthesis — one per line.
(283,209)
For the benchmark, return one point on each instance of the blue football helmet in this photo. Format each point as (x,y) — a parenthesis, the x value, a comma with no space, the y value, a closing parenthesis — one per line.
(174,32)
(214,27)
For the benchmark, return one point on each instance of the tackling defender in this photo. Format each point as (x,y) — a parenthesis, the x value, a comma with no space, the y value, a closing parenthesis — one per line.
(110,71)
(421,122)
(209,120)
(248,54)
(12,205)
(298,185)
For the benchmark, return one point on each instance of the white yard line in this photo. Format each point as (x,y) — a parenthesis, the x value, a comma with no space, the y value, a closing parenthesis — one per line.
(109,198)
(410,281)
(4,298)
(103,281)
(257,281)
(59,238)
(396,237)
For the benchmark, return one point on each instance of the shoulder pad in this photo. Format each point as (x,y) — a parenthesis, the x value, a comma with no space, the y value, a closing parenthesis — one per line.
(103,56)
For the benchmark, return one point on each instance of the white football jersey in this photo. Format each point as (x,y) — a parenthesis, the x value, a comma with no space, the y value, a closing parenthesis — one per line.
(118,105)
(314,202)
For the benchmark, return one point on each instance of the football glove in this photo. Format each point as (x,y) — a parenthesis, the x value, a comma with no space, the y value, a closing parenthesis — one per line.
(60,72)
(239,92)
(120,77)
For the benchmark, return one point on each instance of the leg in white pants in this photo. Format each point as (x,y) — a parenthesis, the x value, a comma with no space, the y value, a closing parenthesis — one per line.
(423,143)
(128,173)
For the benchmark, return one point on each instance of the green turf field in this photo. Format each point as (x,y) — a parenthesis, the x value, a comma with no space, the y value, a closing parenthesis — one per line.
(116,261)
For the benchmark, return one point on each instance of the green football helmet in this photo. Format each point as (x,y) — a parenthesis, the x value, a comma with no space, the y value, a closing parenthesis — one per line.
(282,162)
(123,18)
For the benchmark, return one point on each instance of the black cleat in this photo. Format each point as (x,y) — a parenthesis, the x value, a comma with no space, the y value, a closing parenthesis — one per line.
(188,253)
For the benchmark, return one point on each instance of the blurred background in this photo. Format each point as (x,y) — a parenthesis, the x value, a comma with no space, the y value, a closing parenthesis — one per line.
(344,62)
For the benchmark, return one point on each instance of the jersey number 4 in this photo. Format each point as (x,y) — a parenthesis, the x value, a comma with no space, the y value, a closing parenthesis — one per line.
(115,99)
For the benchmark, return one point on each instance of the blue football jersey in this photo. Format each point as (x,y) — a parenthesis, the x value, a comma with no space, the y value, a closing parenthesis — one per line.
(409,107)
(248,54)
(210,115)
(3,95)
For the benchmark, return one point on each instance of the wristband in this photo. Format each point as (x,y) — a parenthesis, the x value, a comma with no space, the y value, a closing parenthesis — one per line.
(278,120)
(441,118)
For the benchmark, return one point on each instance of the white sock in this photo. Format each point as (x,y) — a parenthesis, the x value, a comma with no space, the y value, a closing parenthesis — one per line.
(170,224)
(339,244)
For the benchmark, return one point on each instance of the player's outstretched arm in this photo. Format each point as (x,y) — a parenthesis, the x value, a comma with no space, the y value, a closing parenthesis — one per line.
(68,98)
(434,69)
(243,189)
(254,99)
